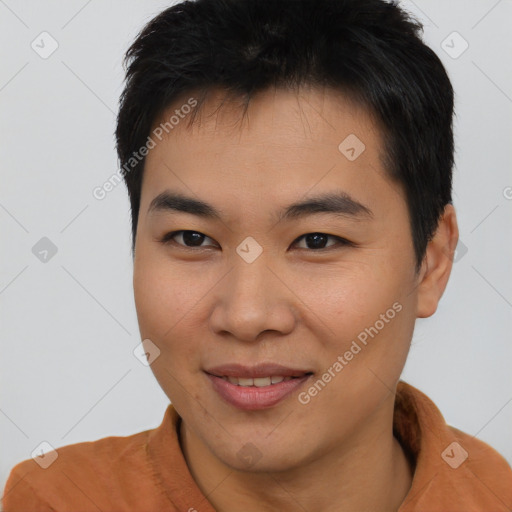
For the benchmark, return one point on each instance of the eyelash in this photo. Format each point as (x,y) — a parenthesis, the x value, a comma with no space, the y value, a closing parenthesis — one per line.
(168,239)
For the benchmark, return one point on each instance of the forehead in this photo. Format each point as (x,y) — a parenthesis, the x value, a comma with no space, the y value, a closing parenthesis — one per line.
(273,116)
(287,144)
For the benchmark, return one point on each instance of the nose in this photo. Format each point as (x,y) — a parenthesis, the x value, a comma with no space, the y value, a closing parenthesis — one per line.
(251,299)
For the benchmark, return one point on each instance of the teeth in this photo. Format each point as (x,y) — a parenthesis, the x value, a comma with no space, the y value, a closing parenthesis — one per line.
(263,381)
(258,382)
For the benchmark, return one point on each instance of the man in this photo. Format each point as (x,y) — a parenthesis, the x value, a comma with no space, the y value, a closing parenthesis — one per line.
(289,166)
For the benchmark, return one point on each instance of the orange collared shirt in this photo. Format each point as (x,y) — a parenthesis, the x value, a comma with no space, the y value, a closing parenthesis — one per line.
(146,472)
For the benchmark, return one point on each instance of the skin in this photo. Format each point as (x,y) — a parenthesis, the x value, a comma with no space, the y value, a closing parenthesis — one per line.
(296,305)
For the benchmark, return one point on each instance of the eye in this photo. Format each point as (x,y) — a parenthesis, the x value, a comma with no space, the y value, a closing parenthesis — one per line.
(193,239)
(317,241)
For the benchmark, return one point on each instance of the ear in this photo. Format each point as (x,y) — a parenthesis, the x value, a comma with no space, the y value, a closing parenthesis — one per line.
(437,264)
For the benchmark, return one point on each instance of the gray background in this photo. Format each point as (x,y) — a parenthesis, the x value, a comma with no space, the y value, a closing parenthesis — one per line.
(68,325)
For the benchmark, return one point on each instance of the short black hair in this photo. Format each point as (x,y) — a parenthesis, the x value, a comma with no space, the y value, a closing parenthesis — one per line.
(369,50)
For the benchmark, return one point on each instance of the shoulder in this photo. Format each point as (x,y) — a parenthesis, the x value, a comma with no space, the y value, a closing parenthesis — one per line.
(453,470)
(482,460)
(84,473)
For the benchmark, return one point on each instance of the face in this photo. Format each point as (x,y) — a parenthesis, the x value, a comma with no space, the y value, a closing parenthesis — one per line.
(324,294)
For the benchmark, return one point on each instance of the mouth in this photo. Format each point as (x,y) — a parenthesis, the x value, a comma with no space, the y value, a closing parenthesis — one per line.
(259,382)
(256,387)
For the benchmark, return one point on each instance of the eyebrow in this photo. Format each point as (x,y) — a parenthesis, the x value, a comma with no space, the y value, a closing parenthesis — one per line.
(334,203)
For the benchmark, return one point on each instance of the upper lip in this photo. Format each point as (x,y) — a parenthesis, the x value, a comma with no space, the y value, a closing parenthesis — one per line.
(259,370)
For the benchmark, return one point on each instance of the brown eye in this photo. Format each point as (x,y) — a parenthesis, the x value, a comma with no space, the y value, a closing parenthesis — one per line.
(318,241)
(194,239)
(185,238)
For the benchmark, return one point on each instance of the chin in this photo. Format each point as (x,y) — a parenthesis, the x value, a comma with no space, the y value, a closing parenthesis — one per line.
(257,454)
(275,463)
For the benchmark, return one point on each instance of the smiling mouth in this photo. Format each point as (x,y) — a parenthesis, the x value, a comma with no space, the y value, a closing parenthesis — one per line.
(260,382)
(257,387)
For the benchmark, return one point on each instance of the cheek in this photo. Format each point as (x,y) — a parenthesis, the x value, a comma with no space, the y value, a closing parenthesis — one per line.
(163,298)
(161,288)
(164,304)
(353,298)
(369,307)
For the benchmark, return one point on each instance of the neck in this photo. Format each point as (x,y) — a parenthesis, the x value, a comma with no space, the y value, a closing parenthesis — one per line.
(367,472)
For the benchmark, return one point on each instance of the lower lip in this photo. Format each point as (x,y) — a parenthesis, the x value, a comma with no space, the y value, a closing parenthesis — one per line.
(253,398)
